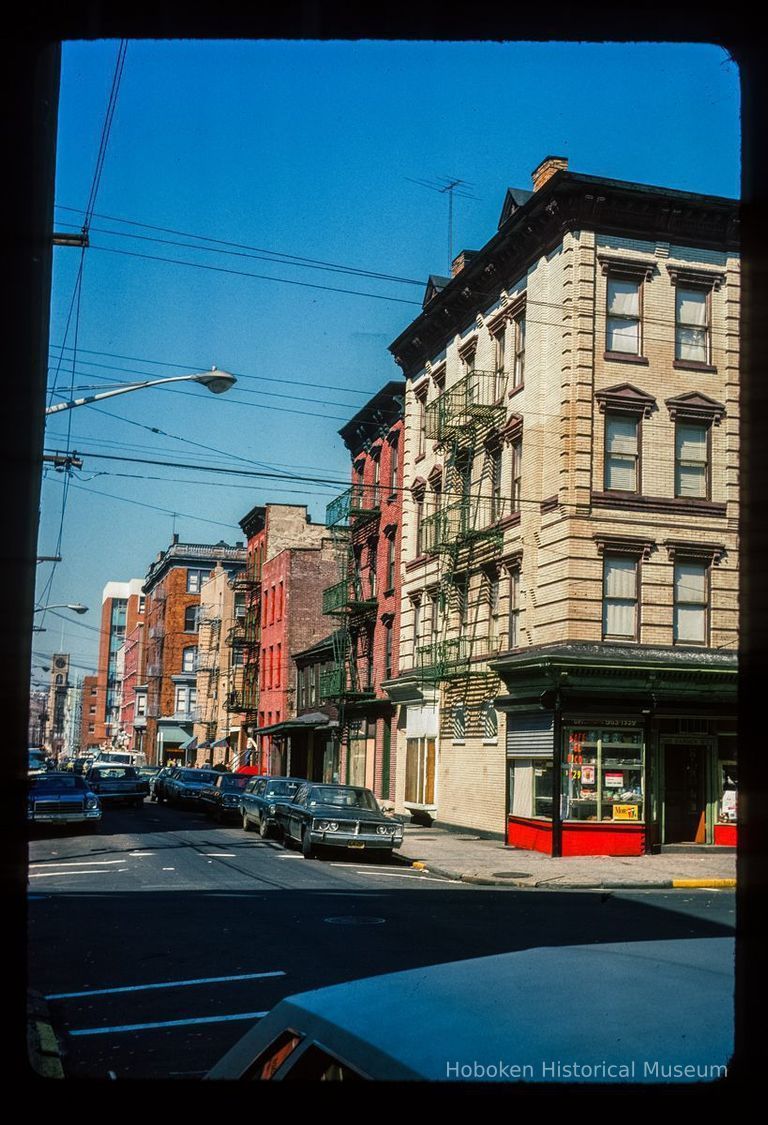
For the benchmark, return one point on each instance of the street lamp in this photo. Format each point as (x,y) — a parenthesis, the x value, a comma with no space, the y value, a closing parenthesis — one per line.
(217,382)
(75,606)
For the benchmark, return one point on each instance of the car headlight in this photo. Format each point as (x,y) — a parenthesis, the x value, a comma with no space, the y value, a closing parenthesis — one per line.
(91,802)
(272,810)
(385,829)
(327,826)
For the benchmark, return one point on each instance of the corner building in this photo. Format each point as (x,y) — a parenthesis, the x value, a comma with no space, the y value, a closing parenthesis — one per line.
(569,607)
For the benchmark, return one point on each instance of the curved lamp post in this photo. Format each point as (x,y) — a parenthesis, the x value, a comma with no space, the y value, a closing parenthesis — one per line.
(217,382)
(77,607)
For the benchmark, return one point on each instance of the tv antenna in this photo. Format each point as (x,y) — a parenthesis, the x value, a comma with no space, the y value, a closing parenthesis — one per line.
(450,186)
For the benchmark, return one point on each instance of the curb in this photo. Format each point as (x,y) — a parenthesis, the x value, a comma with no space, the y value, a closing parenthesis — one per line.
(530,883)
(42,1045)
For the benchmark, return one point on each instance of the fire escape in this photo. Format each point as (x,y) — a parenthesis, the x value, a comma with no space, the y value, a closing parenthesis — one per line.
(465,531)
(245,637)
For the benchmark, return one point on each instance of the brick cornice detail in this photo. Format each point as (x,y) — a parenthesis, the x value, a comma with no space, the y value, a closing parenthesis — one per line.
(624,545)
(512,428)
(677,505)
(695,407)
(704,552)
(625,399)
(684,275)
(616,263)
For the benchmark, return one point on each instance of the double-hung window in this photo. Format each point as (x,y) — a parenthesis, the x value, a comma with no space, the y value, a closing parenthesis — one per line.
(518,375)
(692,460)
(620,597)
(622,453)
(189,659)
(692,325)
(517,463)
(499,363)
(514,608)
(691,603)
(496,496)
(421,423)
(622,318)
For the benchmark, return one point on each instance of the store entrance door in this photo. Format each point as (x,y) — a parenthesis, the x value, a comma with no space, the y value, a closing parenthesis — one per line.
(685,793)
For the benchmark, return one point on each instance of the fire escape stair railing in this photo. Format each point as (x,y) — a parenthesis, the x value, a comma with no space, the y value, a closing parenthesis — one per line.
(477,399)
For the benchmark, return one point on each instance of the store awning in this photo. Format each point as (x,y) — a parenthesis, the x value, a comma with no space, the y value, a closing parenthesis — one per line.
(204,745)
(315,720)
(174,734)
(219,742)
(190,744)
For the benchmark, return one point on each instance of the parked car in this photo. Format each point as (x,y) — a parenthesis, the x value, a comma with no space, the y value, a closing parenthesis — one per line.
(82,765)
(338,816)
(62,798)
(221,799)
(117,785)
(184,786)
(525,1017)
(148,773)
(260,799)
(158,783)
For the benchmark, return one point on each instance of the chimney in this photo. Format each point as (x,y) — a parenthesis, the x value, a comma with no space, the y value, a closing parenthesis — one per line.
(462,259)
(547,169)
(175,538)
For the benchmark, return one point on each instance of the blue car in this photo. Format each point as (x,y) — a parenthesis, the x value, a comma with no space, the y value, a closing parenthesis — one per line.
(261,799)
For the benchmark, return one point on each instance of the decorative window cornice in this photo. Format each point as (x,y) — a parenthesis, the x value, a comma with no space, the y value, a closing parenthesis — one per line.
(643,268)
(435,474)
(419,487)
(512,561)
(695,407)
(624,545)
(625,399)
(389,530)
(512,429)
(685,275)
(698,551)
(468,347)
(387,619)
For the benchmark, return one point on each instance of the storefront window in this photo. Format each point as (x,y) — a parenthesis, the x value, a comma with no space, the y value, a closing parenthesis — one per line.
(603,775)
(530,787)
(726,809)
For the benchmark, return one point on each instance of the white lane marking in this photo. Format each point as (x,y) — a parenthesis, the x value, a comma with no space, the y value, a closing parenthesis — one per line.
(402,875)
(167,868)
(220,855)
(140,853)
(63,874)
(76,863)
(290,857)
(166,1023)
(162,984)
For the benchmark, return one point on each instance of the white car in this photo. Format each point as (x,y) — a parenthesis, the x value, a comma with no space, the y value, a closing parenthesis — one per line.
(634,1012)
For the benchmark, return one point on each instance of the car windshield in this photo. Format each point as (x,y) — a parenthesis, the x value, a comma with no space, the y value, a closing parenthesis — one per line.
(344,797)
(281,788)
(148,771)
(234,782)
(57,782)
(190,776)
(122,773)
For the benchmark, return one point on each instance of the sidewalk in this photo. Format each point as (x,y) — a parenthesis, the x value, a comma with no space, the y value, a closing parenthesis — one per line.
(473,859)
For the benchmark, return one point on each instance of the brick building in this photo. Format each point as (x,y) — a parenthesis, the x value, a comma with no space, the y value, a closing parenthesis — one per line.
(133,696)
(218,730)
(92,702)
(366,522)
(272,624)
(315,745)
(569,607)
(172,589)
(122,608)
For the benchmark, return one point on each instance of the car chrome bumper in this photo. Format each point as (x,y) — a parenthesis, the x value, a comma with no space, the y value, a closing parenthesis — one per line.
(366,840)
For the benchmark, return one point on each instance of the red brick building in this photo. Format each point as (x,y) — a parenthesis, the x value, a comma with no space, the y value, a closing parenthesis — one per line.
(366,521)
(289,561)
(172,588)
(92,701)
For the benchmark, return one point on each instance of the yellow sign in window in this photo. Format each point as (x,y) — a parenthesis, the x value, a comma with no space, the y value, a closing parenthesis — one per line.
(625,812)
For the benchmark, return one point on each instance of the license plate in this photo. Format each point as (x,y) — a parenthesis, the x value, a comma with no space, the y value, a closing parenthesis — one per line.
(355,844)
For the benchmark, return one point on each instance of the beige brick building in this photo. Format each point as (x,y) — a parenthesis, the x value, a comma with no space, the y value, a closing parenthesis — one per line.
(570,555)
(218,728)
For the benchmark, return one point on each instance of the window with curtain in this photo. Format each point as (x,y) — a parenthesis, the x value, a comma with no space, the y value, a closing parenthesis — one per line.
(692,325)
(691,460)
(620,579)
(622,322)
(691,602)
(189,659)
(519,371)
(622,449)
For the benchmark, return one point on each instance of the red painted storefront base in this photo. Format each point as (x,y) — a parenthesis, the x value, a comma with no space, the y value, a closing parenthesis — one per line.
(725,835)
(589,838)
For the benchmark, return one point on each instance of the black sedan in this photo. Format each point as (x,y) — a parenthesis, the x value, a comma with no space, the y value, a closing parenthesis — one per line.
(260,800)
(338,816)
(62,798)
(221,799)
(117,785)
(157,784)
(185,786)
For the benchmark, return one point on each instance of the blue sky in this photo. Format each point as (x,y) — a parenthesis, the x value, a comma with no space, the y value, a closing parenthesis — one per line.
(305,149)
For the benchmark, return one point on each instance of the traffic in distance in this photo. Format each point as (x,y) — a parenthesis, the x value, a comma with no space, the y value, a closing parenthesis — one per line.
(309,816)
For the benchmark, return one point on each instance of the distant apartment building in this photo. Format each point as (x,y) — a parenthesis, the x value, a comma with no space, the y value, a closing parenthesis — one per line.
(290,560)
(89,694)
(365,522)
(122,607)
(218,733)
(172,589)
(133,699)
(569,604)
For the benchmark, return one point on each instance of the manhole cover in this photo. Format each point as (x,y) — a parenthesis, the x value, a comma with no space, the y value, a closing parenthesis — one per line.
(353,920)
(511,874)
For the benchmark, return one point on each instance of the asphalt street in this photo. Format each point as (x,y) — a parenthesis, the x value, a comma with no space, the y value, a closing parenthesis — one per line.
(160,940)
